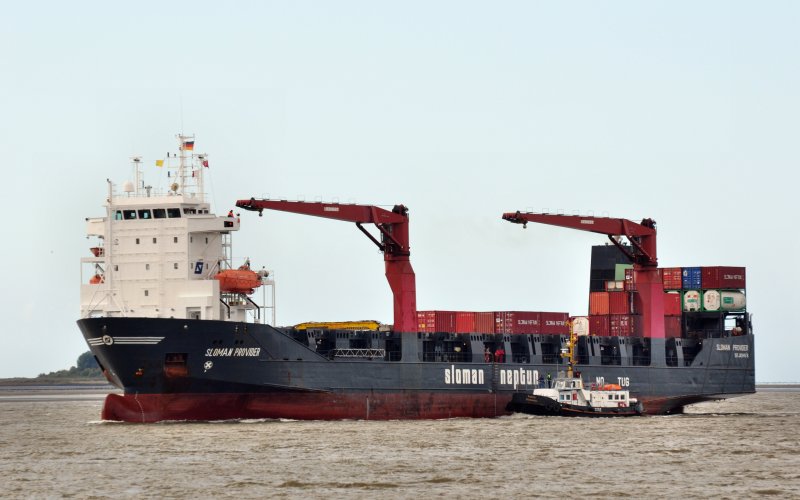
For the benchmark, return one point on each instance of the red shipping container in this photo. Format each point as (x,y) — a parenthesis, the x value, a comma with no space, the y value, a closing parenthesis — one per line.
(518,322)
(619,303)
(638,326)
(620,325)
(436,321)
(723,277)
(672,278)
(598,303)
(598,326)
(484,322)
(465,322)
(672,327)
(554,323)
(672,304)
(630,285)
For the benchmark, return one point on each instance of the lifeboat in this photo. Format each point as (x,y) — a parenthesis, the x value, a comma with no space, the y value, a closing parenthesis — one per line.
(238,280)
(96,279)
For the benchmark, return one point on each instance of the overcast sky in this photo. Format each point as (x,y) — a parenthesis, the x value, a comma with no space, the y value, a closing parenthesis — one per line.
(686,112)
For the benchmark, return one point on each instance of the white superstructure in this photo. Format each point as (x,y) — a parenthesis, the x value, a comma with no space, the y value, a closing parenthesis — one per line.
(156,254)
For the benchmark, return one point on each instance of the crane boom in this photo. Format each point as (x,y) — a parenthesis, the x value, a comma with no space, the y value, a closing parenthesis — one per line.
(642,236)
(394,243)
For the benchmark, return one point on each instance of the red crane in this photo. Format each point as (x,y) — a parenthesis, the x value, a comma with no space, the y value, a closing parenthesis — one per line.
(393,226)
(642,253)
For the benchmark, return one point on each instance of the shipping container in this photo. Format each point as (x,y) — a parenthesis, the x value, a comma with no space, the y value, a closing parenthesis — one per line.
(638,326)
(580,325)
(465,322)
(672,327)
(672,277)
(598,326)
(630,284)
(554,323)
(620,270)
(672,304)
(615,286)
(620,325)
(619,303)
(717,300)
(691,301)
(518,322)
(692,277)
(484,322)
(436,321)
(598,303)
(723,277)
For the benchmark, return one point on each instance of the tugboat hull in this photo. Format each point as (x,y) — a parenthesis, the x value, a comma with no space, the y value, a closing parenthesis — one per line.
(532,404)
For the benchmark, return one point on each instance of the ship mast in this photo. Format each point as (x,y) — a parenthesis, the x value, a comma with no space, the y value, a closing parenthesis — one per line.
(188,169)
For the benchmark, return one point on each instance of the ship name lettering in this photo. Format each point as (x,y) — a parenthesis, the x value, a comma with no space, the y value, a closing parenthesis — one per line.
(723,347)
(741,355)
(740,347)
(519,377)
(238,352)
(463,376)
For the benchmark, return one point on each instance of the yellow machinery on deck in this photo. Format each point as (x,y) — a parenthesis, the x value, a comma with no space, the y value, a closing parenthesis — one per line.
(339,325)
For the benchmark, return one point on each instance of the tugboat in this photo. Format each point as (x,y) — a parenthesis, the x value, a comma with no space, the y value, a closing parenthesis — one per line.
(570,398)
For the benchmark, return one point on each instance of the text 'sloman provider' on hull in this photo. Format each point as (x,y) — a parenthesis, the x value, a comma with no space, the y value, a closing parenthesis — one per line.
(187,334)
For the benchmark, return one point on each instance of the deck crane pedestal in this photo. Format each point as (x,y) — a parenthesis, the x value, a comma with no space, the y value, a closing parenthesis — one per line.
(642,253)
(394,243)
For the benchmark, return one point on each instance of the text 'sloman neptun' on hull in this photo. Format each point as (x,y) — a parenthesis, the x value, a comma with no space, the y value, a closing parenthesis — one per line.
(186,334)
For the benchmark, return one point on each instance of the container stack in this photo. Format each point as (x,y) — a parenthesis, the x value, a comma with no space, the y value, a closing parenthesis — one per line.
(610,312)
(505,322)
(695,290)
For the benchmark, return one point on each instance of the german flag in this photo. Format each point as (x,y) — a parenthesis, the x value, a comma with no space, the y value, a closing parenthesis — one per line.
(188,146)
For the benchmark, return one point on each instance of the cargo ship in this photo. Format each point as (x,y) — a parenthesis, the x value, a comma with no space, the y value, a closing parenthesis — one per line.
(187,334)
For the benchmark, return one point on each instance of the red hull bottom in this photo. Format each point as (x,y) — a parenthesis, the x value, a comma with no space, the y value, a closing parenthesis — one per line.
(324,406)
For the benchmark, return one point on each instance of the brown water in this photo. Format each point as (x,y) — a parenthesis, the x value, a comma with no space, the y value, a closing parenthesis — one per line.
(54,446)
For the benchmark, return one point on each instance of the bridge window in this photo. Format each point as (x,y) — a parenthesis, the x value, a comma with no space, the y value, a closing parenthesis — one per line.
(174,213)
(159,213)
(144,214)
(118,215)
(129,214)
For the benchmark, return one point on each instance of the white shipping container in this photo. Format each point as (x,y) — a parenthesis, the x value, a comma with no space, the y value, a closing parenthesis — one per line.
(711,300)
(691,300)
(580,325)
(732,301)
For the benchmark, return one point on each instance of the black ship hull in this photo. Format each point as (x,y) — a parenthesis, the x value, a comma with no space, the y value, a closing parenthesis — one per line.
(175,369)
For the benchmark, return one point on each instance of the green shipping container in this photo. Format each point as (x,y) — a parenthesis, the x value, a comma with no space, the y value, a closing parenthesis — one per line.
(619,271)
